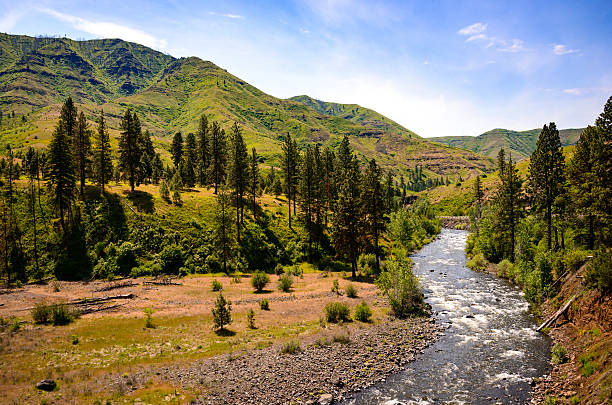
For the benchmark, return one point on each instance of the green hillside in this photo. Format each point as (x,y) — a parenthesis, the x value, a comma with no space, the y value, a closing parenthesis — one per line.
(170,94)
(520,143)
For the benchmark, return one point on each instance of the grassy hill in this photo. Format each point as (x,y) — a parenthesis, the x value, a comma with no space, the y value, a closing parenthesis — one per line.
(170,94)
(520,143)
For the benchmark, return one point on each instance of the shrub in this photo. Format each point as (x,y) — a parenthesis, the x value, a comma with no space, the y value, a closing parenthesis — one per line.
(216,285)
(291,347)
(222,312)
(336,312)
(148,317)
(335,287)
(237,278)
(401,287)
(278,270)
(163,190)
(264,305)
(15,326)
(367,263)
(573,259)
(363,313)
(251,319)
(343,338)
(296,271)
(41,314)
(478,262)
(351,291)
(587,365)
(505,269)
(171,258)
(126,258)
(285,282)
(74,339)
(60,315)
(259,280)
(559,354)
(599,271)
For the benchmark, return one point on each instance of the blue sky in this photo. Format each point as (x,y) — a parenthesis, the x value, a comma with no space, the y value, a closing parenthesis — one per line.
(437,67)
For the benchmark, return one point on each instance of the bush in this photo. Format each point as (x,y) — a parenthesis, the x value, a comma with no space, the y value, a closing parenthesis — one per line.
(559,354)
(363,313)
(251,319)
(401,287)
(259,280)
(148,317)
(222,313)
(60,315)
(335,287)
(126,258)
(478,262)
(351,291)
(285,282)
(573,259)
(171,258)
(278,270)
(336,312)
(216,285)
(291,347)
(296,271)
(264,305)
(505,269)
(41,314)
(343,338)
(599,271)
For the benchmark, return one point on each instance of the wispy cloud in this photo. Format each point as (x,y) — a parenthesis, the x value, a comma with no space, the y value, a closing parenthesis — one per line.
(228,15)
(477,37)
(560,49)
(473,29)
(9,20)
(104,29)
(575,92)
(515,46)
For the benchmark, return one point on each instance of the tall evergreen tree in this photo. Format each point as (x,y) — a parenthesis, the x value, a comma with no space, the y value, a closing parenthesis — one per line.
(389,193)
(603,170)
(102,162)
(239,174)
(190,160)
(373,206)
(129,147)
(218,156)
(330,191)
(478,196)
(203,151)
(254,178)
(289,169)
(509,206)
(60,171)
(223,227)
(82,150)
(546,174)
(147,157)
(307,189)
(33,167)
(176,149)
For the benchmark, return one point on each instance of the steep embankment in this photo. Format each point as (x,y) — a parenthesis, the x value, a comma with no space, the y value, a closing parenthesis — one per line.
(585,331)
(170,94)
(520,144)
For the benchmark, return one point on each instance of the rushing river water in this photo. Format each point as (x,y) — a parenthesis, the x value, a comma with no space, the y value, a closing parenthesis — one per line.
(490,350)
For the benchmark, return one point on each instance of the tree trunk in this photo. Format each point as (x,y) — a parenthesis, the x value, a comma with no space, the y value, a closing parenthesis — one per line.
(549,224)
(376,252)
(237,220)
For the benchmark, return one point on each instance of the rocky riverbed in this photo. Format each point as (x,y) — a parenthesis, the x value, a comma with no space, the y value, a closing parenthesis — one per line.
(327,367)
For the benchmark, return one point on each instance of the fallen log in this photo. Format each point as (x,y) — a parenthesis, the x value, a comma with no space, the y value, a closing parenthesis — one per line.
(116,286)
(86,311)
(560,312)
(87,301)
(161,283)
(42,281)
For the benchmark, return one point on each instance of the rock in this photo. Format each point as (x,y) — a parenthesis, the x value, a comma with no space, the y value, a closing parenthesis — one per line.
(326,399)
(46,385)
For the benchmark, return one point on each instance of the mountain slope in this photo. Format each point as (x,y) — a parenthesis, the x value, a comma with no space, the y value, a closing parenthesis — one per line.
(170,95)
(520,143)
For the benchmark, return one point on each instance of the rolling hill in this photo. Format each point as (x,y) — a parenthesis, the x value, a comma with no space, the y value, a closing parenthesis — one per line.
(170,94)
(520,143)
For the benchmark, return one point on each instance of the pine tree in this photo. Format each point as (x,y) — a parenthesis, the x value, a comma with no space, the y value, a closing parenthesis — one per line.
(509,202)
(190,160)
(546,174)
(603,171)
(102,163)
(176,149)
(390,193)
(82,150)
(289,168)
(203,151)
(478,196)
(129,147)
(157,169)
(69,117)
(147,158)
(254,178)
(60,171)
(373,206)
(33,166)
(239,173)
(222,312)
(218,156)
(307,195)
(330,191)
(223,227)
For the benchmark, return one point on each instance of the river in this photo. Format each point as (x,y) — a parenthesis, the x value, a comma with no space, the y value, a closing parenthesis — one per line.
(490,350)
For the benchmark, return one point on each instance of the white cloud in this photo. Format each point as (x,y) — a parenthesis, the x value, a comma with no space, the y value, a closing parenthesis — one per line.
(228,15)
(516,46)
(104,29)
(575,92)
(560,49)
(473,29)
(9,20)
(476,37)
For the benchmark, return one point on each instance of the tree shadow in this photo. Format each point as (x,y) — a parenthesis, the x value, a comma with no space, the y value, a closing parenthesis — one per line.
(142,200)
(225,332)
(262,292)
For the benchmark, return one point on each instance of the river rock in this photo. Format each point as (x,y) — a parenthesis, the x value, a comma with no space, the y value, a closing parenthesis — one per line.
(326,399)
(46,385)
